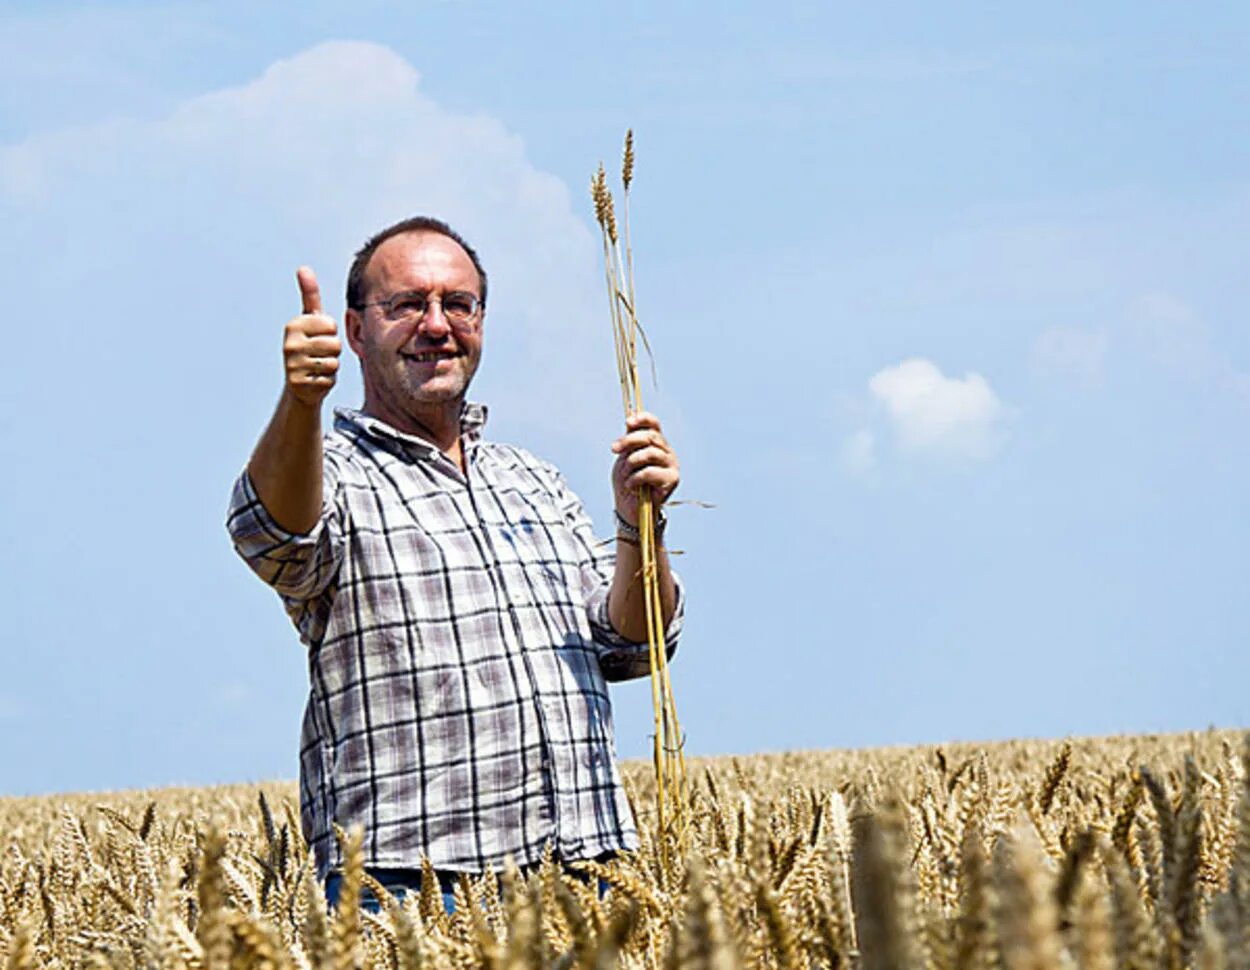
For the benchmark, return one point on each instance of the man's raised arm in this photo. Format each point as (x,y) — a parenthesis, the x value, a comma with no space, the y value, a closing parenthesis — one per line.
(285,468)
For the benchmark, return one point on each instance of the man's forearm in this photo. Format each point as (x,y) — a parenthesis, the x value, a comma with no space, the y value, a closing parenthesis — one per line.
(626,600)
(286,467)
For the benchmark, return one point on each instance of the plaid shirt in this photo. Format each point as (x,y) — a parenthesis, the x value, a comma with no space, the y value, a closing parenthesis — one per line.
(458,653)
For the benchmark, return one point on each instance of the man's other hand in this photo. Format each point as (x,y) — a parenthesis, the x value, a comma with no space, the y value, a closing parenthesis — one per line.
(311,346)
(643,457)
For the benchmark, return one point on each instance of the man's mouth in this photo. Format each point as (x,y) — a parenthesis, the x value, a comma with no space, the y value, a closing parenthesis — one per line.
(430,356)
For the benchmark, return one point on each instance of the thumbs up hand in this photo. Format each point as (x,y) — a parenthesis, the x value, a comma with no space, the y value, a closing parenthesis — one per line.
(311,346)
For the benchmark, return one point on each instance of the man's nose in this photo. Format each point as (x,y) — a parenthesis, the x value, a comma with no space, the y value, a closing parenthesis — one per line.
(433,322)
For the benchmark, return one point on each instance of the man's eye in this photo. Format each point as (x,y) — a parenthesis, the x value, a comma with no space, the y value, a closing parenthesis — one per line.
(404,305)
(458,306)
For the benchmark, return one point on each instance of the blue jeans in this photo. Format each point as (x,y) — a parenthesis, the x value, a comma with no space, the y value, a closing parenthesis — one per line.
(400,882)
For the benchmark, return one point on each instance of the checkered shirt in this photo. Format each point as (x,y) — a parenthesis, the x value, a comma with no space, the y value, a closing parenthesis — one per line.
(459,651)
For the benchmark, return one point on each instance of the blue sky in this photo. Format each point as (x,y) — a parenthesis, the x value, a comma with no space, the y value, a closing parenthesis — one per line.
(948,305)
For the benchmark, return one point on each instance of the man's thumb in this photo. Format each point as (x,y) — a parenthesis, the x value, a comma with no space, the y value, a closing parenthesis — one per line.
(309,291)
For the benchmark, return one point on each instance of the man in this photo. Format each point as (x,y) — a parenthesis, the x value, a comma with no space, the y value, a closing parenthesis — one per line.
(460,616)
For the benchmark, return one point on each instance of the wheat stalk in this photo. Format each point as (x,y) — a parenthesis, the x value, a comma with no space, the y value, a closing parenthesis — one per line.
(672,793)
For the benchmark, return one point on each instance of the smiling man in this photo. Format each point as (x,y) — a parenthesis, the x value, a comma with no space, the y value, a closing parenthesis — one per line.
(462,621)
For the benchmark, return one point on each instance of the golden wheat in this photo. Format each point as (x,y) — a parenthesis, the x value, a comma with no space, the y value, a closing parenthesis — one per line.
(918,857)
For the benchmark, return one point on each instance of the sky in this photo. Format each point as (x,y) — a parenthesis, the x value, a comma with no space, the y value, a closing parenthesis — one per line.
(947,305)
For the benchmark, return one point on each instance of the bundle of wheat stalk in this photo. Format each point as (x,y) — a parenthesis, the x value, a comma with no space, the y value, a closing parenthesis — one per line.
(618,262)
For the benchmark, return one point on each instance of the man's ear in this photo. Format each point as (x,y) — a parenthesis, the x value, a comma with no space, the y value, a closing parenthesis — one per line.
(353,326)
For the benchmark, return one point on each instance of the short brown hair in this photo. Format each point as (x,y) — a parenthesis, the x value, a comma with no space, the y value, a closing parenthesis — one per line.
(356,274)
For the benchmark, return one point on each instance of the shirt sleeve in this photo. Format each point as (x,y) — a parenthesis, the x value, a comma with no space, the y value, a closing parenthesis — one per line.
(619,658)
(298,566)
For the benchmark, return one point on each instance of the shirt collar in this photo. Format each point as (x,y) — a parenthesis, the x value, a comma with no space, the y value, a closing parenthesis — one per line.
(472,420)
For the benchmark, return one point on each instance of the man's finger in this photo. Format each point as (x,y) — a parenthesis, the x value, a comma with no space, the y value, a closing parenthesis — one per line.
(650,455)
(654,477)
(638,439)
(641,419)
(309,291)
(322,346)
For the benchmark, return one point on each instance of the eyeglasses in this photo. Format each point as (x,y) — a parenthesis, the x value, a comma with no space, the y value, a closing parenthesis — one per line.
(458,307)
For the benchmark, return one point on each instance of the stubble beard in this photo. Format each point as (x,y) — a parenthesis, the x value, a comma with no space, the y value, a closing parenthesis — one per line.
(411,405)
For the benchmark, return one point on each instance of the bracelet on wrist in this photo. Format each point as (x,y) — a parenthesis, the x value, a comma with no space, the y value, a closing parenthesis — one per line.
(629,533)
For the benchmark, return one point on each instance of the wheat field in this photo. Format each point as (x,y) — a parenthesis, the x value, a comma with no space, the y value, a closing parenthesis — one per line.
(1126,852)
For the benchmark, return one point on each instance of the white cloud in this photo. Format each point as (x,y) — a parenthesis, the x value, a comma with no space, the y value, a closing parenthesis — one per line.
(1071,353)
(859,452)
(212,207)
(937,416)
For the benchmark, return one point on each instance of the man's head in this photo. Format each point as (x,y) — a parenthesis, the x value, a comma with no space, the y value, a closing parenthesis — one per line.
(356,281)
(415,297)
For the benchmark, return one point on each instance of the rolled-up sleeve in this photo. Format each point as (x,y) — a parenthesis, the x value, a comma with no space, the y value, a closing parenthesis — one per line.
(298,566)
(622,659)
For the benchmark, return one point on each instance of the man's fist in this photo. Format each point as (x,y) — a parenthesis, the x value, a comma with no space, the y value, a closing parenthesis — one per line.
(643,458)
(311,347)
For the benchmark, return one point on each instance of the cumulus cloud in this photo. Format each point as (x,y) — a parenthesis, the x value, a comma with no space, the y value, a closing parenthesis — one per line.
(208,210)
(938,416)
(1071,353)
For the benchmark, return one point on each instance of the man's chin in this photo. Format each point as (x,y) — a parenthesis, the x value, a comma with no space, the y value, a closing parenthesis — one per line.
(438,392)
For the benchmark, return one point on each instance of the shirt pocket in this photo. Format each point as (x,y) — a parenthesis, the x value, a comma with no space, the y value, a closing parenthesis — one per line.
(534,550)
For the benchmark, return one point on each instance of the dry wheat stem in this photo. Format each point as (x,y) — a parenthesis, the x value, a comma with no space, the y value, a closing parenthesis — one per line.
(669,758)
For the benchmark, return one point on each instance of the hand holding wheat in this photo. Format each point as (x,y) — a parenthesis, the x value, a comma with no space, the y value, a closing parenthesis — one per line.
(644,460)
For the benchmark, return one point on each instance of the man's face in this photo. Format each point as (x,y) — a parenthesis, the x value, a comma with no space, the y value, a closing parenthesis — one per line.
(411,367)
